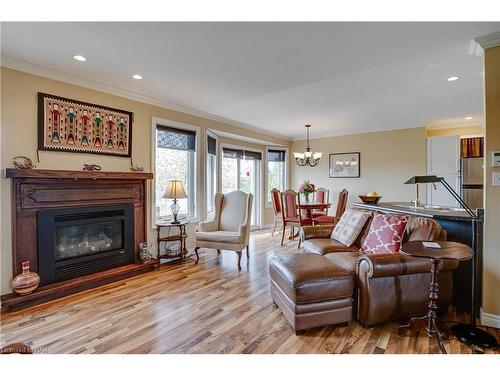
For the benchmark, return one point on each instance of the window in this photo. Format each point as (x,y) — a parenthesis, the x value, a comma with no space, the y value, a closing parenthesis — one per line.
(211,180)
(276,171)
(241,171)
(175,159)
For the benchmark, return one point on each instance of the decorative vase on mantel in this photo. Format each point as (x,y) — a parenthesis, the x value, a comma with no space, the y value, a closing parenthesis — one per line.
(26,282)
(306,196)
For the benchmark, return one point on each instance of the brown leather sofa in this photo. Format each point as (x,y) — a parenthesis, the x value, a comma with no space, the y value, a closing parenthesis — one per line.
(387,286)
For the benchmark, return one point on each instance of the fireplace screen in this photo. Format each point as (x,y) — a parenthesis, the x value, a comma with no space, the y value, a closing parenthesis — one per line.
(80,240)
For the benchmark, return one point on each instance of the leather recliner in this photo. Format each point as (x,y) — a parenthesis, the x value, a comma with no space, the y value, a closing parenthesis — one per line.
(387,286)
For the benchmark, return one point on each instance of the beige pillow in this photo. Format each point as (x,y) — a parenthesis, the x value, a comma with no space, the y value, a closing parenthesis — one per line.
(350,226)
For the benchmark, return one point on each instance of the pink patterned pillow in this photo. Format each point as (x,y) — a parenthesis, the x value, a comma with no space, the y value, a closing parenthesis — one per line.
(385,234)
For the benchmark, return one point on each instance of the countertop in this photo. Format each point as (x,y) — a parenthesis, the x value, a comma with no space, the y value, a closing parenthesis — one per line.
(406,208)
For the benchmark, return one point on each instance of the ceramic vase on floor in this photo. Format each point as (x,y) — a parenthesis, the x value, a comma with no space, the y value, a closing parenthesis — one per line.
(26,282)
(145,252)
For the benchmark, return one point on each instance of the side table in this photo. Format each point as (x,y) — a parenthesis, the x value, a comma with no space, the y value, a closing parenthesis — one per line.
(180,237)
(448,250)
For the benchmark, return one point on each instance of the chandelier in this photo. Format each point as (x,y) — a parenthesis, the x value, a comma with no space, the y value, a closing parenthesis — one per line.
(307,157)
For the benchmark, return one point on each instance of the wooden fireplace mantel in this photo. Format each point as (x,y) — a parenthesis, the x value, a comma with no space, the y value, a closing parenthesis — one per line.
(53,173)
(39,189)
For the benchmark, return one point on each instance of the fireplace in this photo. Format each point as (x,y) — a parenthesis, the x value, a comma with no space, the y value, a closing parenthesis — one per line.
(78,229)
(73,242)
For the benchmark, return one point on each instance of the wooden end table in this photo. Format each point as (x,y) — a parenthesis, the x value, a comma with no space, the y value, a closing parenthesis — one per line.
(180,237)
(448,250)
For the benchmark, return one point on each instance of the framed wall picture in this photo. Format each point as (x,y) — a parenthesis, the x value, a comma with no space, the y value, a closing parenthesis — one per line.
(344,165)
(72,126)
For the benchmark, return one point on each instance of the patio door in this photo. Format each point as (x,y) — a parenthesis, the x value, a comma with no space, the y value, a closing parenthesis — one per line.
(241,171)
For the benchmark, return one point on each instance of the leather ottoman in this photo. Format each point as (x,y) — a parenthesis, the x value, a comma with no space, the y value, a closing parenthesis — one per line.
(310,290)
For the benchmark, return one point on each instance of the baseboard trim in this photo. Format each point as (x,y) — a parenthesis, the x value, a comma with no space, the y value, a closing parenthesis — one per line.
(490,320)
(267,226)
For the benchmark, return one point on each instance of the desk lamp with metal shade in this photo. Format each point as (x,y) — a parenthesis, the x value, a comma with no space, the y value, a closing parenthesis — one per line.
(467,333)
(175,190)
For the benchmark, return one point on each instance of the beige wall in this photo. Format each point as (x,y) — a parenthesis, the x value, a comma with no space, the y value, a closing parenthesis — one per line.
(19,137)
(469,131)
(491,257)
(388,159)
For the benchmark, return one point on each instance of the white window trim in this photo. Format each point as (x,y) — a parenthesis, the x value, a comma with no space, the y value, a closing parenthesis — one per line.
(197,199)
(287,169)
(210,133)
(257,200)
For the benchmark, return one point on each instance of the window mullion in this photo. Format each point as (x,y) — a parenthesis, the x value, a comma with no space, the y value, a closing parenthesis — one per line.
(191,171)
(238,176)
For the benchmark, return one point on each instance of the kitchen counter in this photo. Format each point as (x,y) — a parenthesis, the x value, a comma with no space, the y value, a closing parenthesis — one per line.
(408,209)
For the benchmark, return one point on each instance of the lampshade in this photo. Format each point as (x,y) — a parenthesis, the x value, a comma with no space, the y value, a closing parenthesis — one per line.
(175,190)
(423,180)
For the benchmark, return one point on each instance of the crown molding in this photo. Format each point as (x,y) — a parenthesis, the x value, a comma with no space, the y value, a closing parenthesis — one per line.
(24,66)
(348,132)
(243,138)
(489,40)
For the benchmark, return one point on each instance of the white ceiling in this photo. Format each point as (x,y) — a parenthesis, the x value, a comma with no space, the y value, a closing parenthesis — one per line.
(342,78)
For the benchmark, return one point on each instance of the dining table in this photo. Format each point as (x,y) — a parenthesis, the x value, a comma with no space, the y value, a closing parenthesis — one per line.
(308,207)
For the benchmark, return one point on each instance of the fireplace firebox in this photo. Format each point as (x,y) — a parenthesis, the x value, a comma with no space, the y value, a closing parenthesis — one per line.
(73,242)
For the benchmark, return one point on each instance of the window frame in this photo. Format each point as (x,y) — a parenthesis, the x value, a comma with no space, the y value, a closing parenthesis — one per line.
(209,215)
(287,172)
(194,181)
(257,199)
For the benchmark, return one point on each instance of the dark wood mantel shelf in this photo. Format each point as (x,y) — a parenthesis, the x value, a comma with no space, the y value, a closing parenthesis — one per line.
(52,173)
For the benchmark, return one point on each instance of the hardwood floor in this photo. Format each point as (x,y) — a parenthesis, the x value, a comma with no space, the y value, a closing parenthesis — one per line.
(208,308)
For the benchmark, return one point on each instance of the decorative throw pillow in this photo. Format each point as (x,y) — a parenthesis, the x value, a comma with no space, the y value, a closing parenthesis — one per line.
(385,234)
(350,226)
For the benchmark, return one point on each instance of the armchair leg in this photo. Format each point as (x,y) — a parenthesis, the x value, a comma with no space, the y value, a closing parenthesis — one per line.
(248,252)
(197,256)
(274,229)
(239,260)
(218,251)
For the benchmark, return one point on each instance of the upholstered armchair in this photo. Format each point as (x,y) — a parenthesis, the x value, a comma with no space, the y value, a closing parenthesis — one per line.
(230,227)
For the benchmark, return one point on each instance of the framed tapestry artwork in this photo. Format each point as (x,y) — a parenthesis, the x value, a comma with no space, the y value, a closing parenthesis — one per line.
(344,165)
(72,126)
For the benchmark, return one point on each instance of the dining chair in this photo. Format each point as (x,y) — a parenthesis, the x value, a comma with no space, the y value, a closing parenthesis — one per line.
(341,206)
(278,216)
(321,195)
(291,213)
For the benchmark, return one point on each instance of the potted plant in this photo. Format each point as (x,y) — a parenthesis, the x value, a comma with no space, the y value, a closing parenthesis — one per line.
(307,188)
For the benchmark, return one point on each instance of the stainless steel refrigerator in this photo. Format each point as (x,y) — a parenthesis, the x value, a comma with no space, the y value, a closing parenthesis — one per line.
(472,181)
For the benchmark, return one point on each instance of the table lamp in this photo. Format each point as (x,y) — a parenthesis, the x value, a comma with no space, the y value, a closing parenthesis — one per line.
(175,190)
(467,333)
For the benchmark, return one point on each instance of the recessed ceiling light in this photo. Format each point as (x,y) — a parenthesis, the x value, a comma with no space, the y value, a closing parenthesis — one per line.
(137,76)
(452,78)
(79,58)
(468,118)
